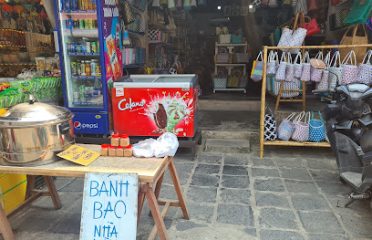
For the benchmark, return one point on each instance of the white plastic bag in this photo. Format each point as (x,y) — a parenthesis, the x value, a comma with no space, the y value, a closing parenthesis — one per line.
(144,148)
(166,145)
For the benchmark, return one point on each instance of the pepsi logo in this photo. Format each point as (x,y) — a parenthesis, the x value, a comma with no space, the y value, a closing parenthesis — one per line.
(77,125)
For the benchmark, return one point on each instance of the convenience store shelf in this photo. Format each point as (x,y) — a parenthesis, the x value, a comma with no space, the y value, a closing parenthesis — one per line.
(91,33)
(91,14)
(85,78)
(71,54)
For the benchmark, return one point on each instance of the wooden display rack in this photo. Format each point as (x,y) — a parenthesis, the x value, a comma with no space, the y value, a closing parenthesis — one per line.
(264,143)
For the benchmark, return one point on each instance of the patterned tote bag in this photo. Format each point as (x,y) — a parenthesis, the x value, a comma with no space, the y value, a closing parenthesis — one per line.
(324,82)
(336,71)
(270,126)
(315,73)
(349,69)
(306,68)
(301,127)
(281,72)
(272,63)
(365,69)
(297,66)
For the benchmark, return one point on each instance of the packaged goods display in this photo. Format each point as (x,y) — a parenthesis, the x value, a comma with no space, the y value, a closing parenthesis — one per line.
(119,146)
(78,5)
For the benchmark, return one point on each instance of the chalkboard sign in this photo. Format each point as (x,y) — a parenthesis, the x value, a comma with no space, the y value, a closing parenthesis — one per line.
(109,207)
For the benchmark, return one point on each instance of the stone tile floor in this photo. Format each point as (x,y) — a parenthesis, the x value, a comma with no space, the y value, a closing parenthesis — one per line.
(291,194)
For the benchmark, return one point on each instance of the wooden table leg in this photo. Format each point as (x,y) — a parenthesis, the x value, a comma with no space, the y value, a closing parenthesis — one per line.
(177,187)
(5,227)
(53,192)
(141,199)
(30,185)
(158,186)
(154,207)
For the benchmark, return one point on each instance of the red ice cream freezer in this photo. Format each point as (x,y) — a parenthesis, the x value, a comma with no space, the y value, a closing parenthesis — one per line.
(150,105)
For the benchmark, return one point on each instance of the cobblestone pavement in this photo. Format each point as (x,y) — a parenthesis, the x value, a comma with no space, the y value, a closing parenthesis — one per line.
(292,194)
(289,195)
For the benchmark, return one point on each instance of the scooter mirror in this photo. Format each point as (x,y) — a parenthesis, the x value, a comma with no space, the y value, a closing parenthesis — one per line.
(317,63)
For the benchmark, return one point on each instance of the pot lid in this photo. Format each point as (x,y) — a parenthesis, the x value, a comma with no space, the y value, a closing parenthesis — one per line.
(34,113)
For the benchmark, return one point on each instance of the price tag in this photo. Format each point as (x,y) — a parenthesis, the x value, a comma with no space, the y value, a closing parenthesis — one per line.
(119,92)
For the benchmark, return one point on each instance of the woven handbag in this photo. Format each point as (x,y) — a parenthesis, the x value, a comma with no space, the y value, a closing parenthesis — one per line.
(289,71)
(272,63)
(306,68)
(285,38)
(324,82)
(297,66)
(365,69)
(301,127)
(286,128)
(336,71)
(281,72)
(290,89)
(256,73)
(317,132)
(270,126)
(315,73)
(349,69)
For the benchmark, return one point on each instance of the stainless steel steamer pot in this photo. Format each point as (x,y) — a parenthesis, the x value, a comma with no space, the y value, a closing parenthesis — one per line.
(33,133)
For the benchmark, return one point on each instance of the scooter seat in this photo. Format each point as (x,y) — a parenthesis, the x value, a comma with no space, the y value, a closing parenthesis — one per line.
(352,178)
(358,87)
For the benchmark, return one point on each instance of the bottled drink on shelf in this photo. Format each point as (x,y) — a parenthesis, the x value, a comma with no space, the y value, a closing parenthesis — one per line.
(88,70)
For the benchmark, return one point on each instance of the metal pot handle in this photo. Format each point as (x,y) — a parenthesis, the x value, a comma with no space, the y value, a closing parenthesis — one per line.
(31,99)
(3,155)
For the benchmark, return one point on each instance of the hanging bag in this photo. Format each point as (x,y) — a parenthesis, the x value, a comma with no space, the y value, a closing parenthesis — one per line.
(128,13)
(298,38)
(286,128)
(289,71)
(301,127)
(270,126)
(349,69)
(285,38)
(272,63)
(311,25)
(306,68)
(317,132)
(280,73)
(359,12)
(316,74)
(324,82)
(335,71)
(355,35)
(256,73)
(297,66)
(365,69)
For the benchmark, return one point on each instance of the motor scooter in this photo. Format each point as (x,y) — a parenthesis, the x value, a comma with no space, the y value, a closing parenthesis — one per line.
(348,119)
(349,129)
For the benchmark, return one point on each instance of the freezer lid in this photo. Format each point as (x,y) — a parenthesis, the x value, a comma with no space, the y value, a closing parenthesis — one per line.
(184,81)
